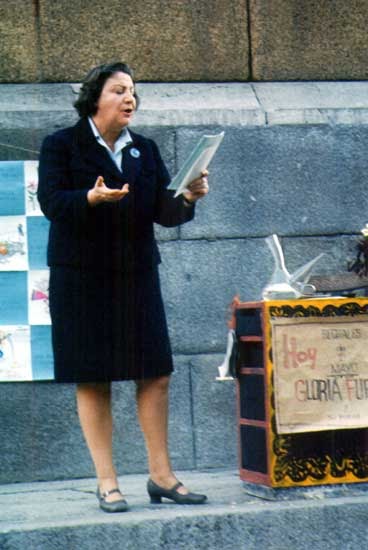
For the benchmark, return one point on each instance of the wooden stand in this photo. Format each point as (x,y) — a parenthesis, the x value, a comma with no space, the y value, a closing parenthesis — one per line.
(288,460)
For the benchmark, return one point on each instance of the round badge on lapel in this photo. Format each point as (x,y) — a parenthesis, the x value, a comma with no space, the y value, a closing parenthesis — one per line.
(135,153)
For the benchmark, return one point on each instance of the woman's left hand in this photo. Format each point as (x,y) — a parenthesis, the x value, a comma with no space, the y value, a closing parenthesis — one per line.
(197,188)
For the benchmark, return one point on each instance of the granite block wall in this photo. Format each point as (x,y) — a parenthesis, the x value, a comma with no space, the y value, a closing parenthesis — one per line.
(304,181)
(314,40)
(163,41)
(185,40)
(41,438)
(18,42)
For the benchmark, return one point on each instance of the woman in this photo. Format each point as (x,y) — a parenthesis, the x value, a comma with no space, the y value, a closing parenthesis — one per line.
(102,187)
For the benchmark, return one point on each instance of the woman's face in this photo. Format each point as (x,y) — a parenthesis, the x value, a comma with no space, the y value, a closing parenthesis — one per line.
(116,103)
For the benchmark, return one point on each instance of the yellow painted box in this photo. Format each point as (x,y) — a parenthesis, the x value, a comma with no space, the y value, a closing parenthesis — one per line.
(311,456)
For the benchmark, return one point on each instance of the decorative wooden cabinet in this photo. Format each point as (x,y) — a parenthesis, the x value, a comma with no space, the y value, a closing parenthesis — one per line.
(278,460)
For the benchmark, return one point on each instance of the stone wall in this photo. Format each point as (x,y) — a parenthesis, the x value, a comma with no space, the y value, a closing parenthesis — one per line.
(185,40)
(313,40)
(293,161)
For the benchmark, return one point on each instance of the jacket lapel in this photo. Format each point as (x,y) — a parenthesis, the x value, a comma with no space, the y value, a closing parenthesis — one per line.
(132,160)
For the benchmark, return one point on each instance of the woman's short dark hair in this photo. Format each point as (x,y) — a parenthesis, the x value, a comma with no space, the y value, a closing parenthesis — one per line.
(89,94)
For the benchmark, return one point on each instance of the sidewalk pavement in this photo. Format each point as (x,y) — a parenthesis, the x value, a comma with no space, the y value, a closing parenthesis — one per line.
(64,515)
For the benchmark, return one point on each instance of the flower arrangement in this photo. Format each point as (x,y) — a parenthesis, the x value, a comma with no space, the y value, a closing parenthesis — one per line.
(360,264)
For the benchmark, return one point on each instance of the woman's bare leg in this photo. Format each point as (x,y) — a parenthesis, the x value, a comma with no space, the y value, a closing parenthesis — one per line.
(152,402)
(94,409)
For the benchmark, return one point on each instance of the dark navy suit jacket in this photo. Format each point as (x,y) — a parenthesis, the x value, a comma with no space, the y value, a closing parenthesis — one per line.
(110,235)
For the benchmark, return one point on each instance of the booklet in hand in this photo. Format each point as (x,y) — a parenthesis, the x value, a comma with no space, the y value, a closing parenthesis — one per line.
(197,161)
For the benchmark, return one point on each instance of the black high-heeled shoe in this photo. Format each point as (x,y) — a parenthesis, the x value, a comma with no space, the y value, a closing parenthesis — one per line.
(120,505)
(156,493)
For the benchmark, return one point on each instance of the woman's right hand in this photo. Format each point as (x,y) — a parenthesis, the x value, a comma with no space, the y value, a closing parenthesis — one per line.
(100,193)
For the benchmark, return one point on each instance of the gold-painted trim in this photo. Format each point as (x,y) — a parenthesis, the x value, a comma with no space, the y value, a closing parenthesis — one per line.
(286,468)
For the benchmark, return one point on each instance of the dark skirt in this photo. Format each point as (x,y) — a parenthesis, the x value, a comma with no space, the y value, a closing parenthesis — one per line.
(108,325)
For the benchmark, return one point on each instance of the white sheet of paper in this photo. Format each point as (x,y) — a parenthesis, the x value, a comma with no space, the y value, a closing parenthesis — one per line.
(197,161)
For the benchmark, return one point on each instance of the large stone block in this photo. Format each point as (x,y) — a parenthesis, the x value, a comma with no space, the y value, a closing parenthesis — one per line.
(198,104)
(18,42)
(47,107)
(291,180)
(28,112)
(17,144)
(314,102)
(40,435)
(179,40)
(200,279)
(214,414)
(315,40)
(41,438)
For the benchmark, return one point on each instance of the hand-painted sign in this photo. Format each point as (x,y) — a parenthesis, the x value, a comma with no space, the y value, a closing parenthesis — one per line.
(320,373)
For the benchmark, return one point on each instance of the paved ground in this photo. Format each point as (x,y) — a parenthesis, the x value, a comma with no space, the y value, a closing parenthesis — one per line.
(64,515)
(72,502)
